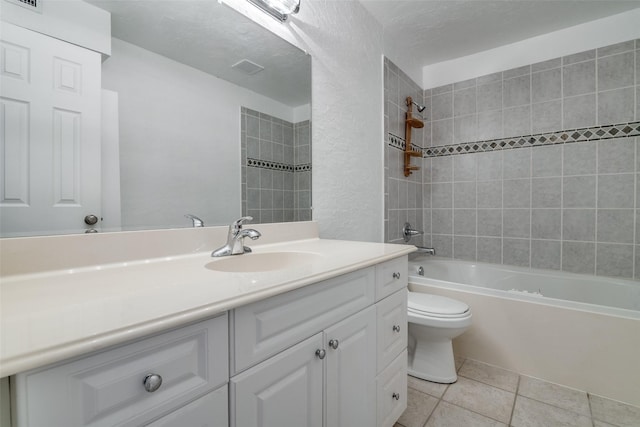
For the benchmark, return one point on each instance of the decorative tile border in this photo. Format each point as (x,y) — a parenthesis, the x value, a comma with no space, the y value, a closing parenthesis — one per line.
(267,164)
(399,142)
(594,133)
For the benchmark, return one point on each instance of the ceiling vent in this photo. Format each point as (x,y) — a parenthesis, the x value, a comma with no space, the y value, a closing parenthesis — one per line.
(34,5)
(248,67)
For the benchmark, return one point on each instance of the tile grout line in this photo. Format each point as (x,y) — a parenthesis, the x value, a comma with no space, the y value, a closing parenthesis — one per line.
(590,409)
(515,398)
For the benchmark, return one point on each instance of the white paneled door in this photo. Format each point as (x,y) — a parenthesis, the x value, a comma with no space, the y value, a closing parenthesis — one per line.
(49,134)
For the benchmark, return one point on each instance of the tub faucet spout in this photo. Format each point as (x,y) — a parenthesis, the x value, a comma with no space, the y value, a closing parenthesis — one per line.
(423,250)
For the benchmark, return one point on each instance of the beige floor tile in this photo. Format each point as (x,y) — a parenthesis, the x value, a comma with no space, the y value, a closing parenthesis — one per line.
(613,412)
(554,394)
(434,389)
(492,375)
(419,407)
(481,398)
(531,413)
(448,415)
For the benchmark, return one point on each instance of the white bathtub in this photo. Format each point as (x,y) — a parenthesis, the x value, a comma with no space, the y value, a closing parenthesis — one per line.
(576,330)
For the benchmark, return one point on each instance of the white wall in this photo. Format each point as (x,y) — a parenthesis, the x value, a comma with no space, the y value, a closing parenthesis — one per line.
(179,139)
(71,20)
(345,43)
(599,33)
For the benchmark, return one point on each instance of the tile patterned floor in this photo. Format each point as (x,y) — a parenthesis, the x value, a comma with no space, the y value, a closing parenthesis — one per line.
(487,396)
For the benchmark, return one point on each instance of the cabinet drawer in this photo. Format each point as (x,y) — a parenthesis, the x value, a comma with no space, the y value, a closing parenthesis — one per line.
(106,389)
(391,276)
(267,327)
(392,327)
(392,391)
(208,411)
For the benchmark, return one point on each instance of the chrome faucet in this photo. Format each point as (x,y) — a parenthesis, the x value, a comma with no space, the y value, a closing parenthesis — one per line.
(423,250)
(197,222)
(235,239)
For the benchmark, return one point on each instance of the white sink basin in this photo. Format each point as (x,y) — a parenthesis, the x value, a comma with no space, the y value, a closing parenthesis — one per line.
(267,261)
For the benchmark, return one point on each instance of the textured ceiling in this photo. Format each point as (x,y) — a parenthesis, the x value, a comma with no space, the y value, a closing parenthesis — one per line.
(424,32)
(212,37)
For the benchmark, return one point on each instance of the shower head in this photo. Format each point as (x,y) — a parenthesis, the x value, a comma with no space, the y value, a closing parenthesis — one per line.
(418,106)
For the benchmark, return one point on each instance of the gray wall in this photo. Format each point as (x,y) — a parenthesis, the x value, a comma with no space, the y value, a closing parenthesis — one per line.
(568,205)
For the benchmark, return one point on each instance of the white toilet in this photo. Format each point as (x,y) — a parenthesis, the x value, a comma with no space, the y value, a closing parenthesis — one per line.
(433,322)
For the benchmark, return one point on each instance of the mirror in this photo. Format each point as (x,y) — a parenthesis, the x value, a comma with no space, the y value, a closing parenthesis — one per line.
(204,112)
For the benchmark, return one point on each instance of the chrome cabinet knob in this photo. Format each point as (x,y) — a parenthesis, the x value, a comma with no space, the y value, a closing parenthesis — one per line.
(334,344)
(320,353)
(396,275)
(396,328)
(152,382)
(91,230)
(396,396)
(91,219)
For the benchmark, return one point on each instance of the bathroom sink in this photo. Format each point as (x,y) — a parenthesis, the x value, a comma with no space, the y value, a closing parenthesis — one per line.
(267,261)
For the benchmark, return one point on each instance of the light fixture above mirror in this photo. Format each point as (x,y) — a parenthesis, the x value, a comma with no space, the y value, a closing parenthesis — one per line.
(279,9)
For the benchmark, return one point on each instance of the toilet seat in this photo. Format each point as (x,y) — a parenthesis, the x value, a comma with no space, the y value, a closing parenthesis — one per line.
(429,305)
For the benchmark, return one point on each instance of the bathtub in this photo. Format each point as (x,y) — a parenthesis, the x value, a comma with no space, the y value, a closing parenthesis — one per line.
(577,330)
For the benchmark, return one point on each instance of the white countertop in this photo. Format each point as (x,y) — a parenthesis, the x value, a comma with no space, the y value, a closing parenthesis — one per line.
(51,316)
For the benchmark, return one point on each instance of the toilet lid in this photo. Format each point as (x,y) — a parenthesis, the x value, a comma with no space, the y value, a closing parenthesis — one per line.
(435,305)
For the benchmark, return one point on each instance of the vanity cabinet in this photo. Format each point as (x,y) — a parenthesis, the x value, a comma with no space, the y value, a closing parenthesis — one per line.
(330,354)
(323,355)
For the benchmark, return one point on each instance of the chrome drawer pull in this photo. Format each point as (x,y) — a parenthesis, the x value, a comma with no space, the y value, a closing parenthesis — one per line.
(334,344)
(152,382)
(396,328)
(321,353)
(396,275)
(396,396)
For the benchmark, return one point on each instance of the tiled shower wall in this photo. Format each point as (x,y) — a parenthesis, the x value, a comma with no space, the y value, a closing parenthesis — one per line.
(276,168)
(567,204)
(403,196)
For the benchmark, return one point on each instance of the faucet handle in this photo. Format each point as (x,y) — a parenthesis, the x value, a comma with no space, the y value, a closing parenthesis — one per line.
(238,222)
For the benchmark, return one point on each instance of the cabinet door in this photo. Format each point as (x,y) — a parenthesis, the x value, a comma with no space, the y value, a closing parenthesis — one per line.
(285,390)
(351,371)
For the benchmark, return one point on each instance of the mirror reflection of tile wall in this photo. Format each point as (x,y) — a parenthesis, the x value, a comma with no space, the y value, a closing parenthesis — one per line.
(276,168)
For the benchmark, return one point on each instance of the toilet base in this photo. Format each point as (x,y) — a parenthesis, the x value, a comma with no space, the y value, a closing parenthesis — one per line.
(433,361)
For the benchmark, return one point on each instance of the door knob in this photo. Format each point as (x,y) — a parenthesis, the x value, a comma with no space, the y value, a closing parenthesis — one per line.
(91,219)
(396,328)
(320,353)
(396,396)
(334,344)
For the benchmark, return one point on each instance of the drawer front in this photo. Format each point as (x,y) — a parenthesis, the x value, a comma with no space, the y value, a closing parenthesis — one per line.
(106,389)
(391,276)
(267,327)
(211,410)
(392,327)
(392,391)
